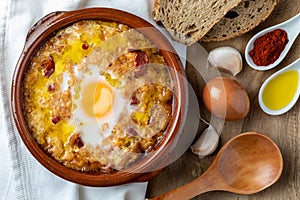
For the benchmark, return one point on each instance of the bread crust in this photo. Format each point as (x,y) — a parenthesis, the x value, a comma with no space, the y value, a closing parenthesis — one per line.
(156,9)
(218,32)
(201,19)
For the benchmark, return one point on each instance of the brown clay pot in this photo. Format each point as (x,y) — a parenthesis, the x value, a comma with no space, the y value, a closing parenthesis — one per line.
(152,164)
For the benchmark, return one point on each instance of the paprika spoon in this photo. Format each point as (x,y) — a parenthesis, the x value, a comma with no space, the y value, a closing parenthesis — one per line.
(247,164)
(291,26)
(282,94)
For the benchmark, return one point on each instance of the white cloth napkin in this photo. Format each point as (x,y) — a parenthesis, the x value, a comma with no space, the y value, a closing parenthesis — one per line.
(21,176)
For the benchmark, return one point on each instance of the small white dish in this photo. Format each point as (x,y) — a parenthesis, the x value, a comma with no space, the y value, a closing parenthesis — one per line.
(294,66)
(291,26)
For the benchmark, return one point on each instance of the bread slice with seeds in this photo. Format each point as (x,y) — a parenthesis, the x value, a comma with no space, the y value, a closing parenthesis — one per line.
(189,20)
(241,19)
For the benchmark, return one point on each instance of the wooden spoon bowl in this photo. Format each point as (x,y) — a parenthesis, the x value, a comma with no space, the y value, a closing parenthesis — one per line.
(247,164)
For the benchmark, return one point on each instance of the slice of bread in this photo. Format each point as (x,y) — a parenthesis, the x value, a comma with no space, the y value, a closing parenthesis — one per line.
(189,20)
(241,19)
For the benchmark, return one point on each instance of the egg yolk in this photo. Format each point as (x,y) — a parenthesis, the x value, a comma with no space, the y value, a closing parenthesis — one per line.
(97,99)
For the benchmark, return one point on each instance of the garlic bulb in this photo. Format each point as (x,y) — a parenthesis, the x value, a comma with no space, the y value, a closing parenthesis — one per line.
(207,142)
(226,58)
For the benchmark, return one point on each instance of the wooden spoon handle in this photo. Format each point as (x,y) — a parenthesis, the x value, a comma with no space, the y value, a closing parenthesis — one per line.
(187,191)
(200,185)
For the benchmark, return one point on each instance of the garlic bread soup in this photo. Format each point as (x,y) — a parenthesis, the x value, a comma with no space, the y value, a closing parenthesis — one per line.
(97,96)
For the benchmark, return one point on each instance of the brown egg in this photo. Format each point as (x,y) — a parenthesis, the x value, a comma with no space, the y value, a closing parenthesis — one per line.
(226,98)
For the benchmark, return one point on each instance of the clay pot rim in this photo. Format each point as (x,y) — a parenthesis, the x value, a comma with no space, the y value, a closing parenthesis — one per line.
(39,33)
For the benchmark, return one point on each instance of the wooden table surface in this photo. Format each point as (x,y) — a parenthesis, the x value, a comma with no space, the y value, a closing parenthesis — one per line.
(283,129)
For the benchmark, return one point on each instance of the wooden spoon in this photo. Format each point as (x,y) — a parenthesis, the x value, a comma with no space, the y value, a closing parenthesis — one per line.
(248,163)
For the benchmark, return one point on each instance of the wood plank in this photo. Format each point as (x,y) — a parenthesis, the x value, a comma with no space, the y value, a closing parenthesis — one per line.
(284,129)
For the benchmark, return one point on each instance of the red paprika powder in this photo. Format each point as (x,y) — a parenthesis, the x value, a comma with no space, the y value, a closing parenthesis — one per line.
(268,47)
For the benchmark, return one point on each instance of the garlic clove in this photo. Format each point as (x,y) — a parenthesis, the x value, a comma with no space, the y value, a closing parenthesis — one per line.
(207,142)
(226,58)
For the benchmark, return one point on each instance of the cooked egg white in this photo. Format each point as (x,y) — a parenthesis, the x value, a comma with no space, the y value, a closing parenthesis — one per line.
(96,105)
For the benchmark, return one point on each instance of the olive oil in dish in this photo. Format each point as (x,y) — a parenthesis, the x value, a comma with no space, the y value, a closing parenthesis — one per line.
(279,92)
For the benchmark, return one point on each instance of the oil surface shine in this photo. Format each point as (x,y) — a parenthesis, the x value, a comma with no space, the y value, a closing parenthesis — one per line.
(280,91)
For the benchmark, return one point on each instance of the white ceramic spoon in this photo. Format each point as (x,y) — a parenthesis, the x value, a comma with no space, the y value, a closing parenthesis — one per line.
(291,26)
(294,66)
